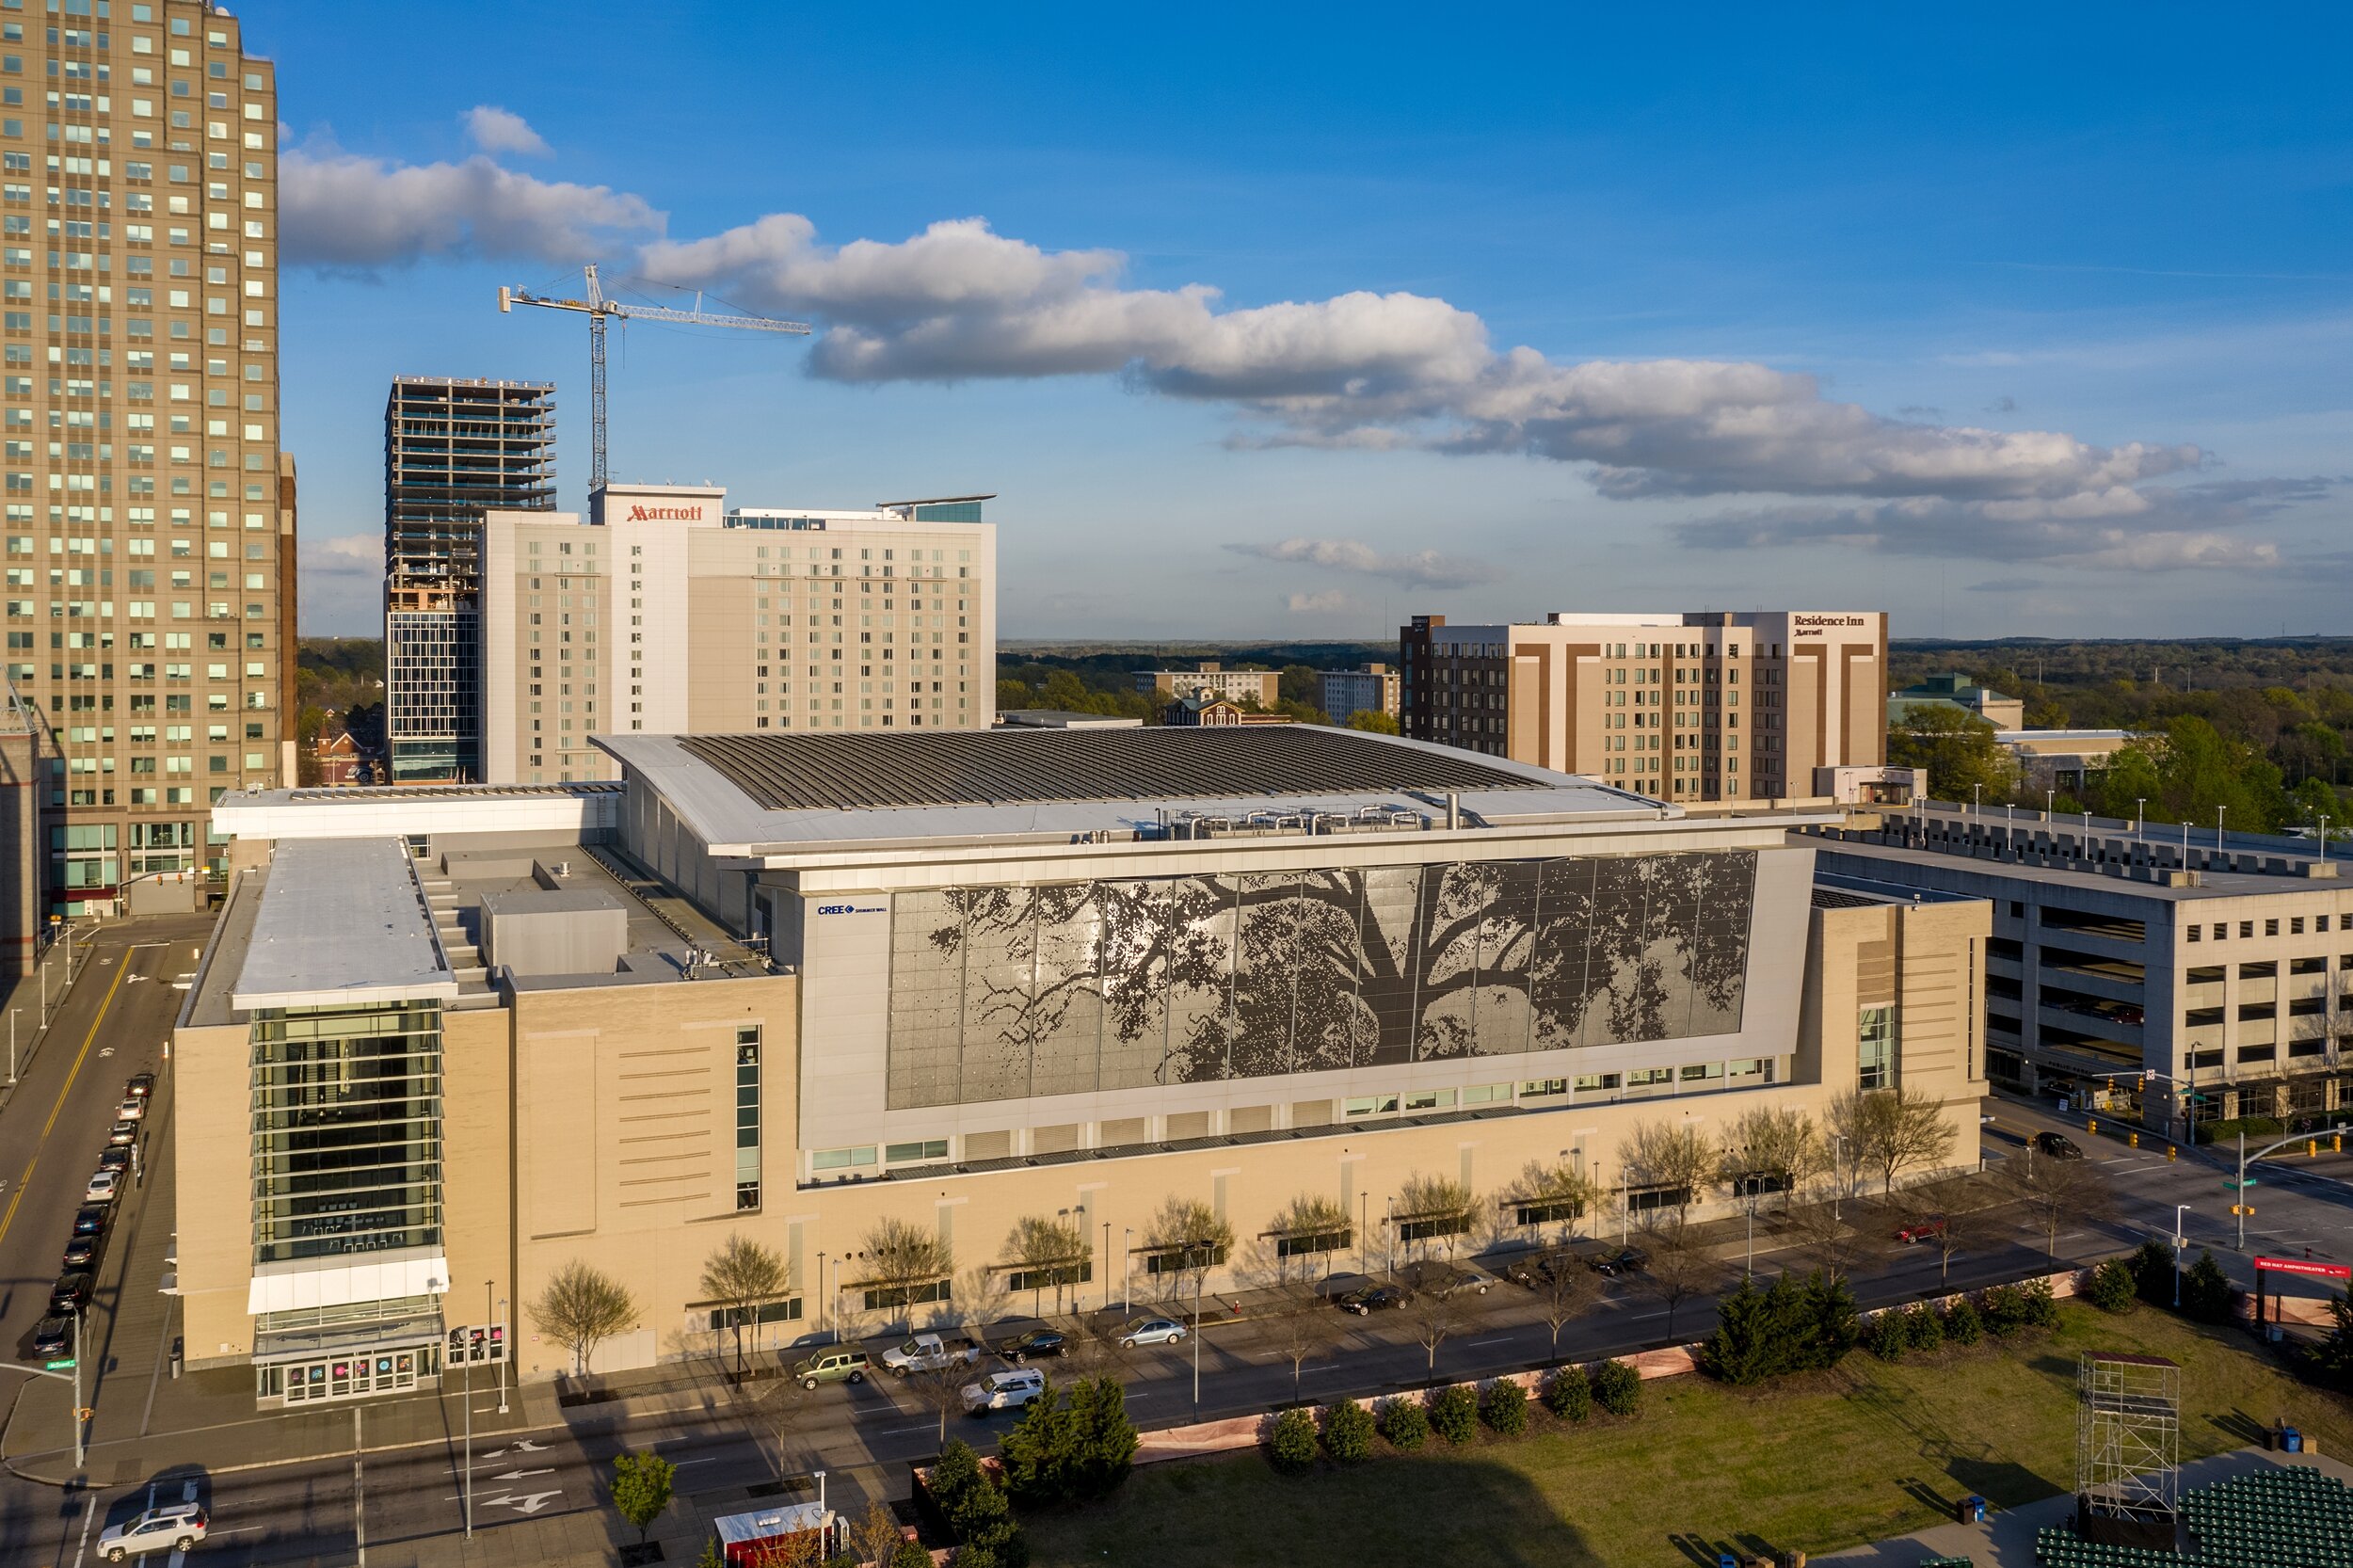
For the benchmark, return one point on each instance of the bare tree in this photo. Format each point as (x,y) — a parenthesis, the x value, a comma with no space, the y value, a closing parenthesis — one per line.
(940,1390)
(779,1411)
(1556,1194)
(1048,1250)
(1953,1216)
(1186,1238)
(1302,1329)
(1309,1217)
(2053,1192)
(905,1263)
(1437,1210)
(1783,1146)
(1890,1130)
(743,1276)
(1431,1313)
(1673,1159)
(1830,1236)
(877,1536)
(581,1308)
(1565,1288)
(1679,1269)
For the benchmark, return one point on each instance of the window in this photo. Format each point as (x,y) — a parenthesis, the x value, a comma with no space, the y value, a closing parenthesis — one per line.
(841,1159)
(1372,1105)
(1875,1048)
(918,1153)
(1053,1276)
(1544,1088)
(1547,1213)
(748,1117)
(892,1298)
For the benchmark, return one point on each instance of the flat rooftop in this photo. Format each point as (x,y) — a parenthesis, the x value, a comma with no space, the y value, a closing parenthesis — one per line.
(341,921)
(2211,884)
(765,793)
(857,772)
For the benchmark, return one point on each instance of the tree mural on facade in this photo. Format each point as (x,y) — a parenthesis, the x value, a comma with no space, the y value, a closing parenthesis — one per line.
(1075,987)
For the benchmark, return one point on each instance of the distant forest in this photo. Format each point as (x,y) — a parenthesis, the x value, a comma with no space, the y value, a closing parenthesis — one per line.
(2258,728)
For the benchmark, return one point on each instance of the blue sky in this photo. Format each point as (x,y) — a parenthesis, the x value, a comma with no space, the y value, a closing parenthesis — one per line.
(1286,322)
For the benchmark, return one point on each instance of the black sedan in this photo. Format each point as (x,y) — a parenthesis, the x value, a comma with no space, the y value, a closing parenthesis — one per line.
(1038,1341)
(1626,1260)
(140,1086)
(80,1251)
(114,1159)
(70,1293)
(2057,1145)
(52,1336)
(1537,1273)
(1370,1299)
(90,1219)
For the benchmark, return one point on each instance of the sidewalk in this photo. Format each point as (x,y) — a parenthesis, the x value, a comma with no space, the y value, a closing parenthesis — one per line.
(24,998)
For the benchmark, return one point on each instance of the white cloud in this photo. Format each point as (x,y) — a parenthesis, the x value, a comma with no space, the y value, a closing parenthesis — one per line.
(1327,603)
(960,301)
(1420,568)
(1359,370)
(2153,528)
(342,585)
(346,211)
(497,130)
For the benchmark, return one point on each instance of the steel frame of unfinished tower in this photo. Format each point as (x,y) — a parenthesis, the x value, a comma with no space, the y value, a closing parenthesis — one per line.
(2128,1443)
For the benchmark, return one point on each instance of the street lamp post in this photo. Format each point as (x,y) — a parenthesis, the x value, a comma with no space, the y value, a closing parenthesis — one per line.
(2218,827)
(81,1433)
(507,1345)
(466,1350)
(1128,1269)
(2179,1210)
(2050,803)
(1107,1265)
(1976,800)
(2140,814)
(821,1294)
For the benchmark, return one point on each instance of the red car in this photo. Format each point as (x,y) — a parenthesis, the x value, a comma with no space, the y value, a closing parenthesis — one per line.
(1929,1227)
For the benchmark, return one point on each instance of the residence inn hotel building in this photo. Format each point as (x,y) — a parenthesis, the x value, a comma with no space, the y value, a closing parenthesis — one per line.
(446,1041)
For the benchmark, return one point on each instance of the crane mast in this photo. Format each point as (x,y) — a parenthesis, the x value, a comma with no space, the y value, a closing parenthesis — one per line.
(599,309)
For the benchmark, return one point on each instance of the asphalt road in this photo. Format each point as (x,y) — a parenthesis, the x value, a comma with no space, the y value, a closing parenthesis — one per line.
(315,1511)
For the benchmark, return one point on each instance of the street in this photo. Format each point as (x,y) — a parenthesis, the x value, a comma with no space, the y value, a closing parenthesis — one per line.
(392,1472)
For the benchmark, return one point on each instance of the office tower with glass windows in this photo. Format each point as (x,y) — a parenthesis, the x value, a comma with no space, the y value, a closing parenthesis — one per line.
(453,450)
(148,539)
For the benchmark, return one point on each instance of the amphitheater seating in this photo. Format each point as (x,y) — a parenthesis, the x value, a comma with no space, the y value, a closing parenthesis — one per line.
(2289,1517)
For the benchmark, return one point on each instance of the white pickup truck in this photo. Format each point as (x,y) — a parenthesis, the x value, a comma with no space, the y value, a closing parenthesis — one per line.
(929,1352)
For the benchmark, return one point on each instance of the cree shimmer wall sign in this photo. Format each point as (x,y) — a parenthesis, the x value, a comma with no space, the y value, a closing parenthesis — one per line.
(1000,993)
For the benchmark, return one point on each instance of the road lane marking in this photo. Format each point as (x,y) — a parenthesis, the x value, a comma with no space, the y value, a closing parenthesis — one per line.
(42,1144)
(1504,1340)
(88,1509)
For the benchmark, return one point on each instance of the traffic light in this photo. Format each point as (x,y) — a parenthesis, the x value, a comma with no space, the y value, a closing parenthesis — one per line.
(2312,1149)
(2091,1124)
(2336,1142)
(2140,1084)
(2173,1152)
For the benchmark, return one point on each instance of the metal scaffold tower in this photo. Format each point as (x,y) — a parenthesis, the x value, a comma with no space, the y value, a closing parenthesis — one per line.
(2128,1446)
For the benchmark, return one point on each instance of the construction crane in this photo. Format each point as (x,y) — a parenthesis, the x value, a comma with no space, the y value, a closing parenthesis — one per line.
(599,310)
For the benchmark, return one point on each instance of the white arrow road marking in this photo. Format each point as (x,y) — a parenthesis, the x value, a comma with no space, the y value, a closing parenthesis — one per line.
(106,1050)
(530,1503)
(525,1446)
(518,1474)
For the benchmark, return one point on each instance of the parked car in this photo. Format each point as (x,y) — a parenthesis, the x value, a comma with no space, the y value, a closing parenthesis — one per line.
(139,1086)
(1447,1279)
(133,1108)
(90,1219)
(841,1364)
(1003,1391)
(104,1188)
(1038,1341)
(1925,1229)
(175,1527)
(80,1251)
(114,1157)
(929,1352)
(1624,1260)
(1151,1330)
(1369,1299)
(52,1336)
(2057,1145)
(122,1134)
(70,1293)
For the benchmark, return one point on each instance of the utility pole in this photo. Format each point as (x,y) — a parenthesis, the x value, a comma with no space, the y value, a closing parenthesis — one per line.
(466,1350)
(507,1342)
(81,1428)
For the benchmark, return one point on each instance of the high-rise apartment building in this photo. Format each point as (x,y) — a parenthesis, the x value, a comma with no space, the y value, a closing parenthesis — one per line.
(665,613)
(1698,707)
(148,550)
(453,449)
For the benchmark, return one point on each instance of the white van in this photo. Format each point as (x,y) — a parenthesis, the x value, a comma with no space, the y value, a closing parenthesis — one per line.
(1006,1390)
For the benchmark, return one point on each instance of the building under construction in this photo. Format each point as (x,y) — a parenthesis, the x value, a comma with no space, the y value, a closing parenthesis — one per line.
(453,450)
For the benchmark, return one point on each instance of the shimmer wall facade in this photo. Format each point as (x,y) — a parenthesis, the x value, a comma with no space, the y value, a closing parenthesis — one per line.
(1005,993)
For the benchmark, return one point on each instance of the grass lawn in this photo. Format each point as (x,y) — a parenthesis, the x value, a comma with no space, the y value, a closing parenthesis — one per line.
(1819,1462)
